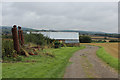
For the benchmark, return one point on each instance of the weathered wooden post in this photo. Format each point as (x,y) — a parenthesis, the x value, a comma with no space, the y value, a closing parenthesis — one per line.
(22,37)
(20,33)
(15,39)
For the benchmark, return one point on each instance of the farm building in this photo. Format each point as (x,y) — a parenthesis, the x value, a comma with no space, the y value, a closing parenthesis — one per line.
(66,37)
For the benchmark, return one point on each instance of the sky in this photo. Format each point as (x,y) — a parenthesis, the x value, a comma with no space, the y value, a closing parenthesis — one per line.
(85,16)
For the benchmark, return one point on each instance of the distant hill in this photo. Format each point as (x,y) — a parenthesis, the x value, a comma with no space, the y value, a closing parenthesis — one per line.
(82,32)
(7,29)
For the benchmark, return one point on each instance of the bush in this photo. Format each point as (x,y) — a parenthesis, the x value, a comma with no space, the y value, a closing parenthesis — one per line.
(7,36)
(8,52)
(57,44)
(85,39)
(38,39)
(7,48)
(63,45)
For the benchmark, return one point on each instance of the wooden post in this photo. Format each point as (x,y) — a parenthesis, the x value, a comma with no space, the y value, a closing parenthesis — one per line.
(15,39)
(21,38)
(19,33)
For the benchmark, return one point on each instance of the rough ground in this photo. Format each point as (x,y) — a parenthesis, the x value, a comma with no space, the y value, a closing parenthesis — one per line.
(85,64)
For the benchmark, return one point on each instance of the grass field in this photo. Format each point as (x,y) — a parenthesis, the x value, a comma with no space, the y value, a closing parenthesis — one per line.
(40,66)
(111,48)
(102,37)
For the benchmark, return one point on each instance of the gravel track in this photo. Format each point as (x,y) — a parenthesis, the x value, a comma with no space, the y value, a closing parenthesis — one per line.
(85,64)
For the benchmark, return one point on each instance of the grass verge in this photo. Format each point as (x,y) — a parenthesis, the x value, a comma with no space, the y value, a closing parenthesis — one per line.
(39,66)
(110,60)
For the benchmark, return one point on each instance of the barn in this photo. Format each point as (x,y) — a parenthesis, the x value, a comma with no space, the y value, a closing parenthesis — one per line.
(66,37)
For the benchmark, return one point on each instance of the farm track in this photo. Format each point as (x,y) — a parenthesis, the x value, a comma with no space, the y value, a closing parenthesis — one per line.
(85,64)
(111,48)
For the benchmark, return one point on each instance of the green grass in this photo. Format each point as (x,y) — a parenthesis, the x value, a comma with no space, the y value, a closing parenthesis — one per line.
(43,67)
(110,60)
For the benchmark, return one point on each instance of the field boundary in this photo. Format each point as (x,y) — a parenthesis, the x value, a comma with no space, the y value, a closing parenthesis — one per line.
(107,58)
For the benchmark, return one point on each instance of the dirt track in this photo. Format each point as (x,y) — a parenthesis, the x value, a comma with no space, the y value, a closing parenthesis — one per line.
(85,64)
(111,48)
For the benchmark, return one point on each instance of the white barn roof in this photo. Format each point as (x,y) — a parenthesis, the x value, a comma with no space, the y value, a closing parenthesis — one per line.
(60,35)
(64,35)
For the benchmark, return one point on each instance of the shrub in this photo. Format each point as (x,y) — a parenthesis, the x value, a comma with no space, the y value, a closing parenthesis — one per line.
(64,45)
(8,52)
(57,44)
(85,39)
(7,36)
(7,48)
(38,39)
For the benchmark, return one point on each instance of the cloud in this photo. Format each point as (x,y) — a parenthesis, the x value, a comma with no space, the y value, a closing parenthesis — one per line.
(0,14)
(88,16)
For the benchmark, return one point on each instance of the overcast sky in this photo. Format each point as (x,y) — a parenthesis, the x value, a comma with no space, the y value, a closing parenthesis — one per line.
(63,16)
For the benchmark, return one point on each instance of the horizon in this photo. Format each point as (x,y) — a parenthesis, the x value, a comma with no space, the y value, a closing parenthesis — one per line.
(64,29)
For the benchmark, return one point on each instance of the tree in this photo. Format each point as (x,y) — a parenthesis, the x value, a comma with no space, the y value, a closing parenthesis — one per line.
(85,39)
